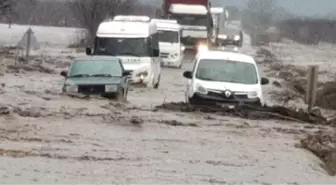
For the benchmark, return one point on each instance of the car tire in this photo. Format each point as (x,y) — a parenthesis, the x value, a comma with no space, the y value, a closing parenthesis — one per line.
(192,101)
(109,96)
(156,86)
(120,97)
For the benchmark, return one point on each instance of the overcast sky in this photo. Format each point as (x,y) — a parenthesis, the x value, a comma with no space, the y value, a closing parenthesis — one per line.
(301,7)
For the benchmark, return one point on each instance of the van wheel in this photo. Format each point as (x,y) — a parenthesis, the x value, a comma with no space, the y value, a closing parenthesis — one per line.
(192,101)
(156,86)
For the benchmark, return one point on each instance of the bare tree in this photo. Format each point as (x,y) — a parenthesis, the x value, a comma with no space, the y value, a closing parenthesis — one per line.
(6,10)
(90,13)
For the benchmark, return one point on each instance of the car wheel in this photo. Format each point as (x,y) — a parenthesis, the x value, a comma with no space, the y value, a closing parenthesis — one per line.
(120,97)
(109,96)
(156,86)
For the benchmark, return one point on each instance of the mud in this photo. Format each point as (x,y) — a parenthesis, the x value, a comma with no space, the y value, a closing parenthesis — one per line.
(250,112)
(324,146)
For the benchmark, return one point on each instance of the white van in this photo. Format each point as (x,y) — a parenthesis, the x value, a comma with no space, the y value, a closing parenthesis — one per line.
(224,77)
(171,49)
(133,39)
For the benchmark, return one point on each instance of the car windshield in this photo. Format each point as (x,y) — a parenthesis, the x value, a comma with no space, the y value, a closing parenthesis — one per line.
(81,68)
(227,71)
(121,46)
(193,20)
(168,36)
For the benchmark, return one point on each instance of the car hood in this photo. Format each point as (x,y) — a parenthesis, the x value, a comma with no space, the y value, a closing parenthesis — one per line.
(228,86)
(93,81)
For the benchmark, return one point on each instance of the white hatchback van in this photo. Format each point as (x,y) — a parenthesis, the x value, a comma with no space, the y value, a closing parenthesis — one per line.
(224,77)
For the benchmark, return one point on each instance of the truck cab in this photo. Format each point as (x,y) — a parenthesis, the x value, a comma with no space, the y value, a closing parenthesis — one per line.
(196,23)
(218,18)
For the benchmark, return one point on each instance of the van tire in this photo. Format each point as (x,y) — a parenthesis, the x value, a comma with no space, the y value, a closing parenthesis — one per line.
(156,86)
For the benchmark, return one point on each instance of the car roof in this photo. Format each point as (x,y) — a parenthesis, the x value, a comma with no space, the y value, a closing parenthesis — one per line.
(231,30)
(95,57)
(226,55)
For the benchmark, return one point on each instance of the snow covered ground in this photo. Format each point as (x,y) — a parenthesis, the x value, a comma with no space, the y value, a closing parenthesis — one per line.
(47,36)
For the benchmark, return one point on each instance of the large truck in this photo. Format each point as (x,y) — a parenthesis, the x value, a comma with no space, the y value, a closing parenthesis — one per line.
(195,18)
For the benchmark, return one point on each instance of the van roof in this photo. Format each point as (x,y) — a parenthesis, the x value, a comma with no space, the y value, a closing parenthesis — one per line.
(126,29)
(139,18)
(189,9)
(226,55)
(167,24)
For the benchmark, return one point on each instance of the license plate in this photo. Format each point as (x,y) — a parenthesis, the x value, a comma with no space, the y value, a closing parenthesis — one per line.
(228,106)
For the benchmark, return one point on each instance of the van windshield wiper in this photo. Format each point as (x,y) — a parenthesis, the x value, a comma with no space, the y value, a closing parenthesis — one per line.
(79,75)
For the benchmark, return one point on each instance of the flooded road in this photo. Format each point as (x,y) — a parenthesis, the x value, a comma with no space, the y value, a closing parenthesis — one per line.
(52,138)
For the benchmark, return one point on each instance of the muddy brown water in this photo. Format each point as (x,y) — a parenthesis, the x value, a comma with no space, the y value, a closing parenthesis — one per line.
(52,138)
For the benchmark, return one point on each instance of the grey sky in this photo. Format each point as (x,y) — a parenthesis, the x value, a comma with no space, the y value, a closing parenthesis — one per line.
(301,7)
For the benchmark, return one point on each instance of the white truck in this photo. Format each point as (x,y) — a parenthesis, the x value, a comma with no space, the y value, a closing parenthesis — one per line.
(133,39)
(219,20)
(171,48)
(196,22)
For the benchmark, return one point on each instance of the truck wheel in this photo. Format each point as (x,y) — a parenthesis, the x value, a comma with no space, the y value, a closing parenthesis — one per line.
(180,66)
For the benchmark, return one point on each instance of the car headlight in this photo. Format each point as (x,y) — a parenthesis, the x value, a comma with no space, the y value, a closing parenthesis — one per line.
(223,37)
(237,37)
(173,55)
(142,75)
(71,88)
(202,48)
(111,88)
(252,94)
(201,89)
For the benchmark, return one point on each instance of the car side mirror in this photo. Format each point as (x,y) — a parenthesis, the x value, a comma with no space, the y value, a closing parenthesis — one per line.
(126,73)
(187,74)
(88,51)
(264,81)
(156,52)
(64,73)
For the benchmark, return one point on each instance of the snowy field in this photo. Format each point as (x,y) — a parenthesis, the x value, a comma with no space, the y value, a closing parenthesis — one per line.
(47,36)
